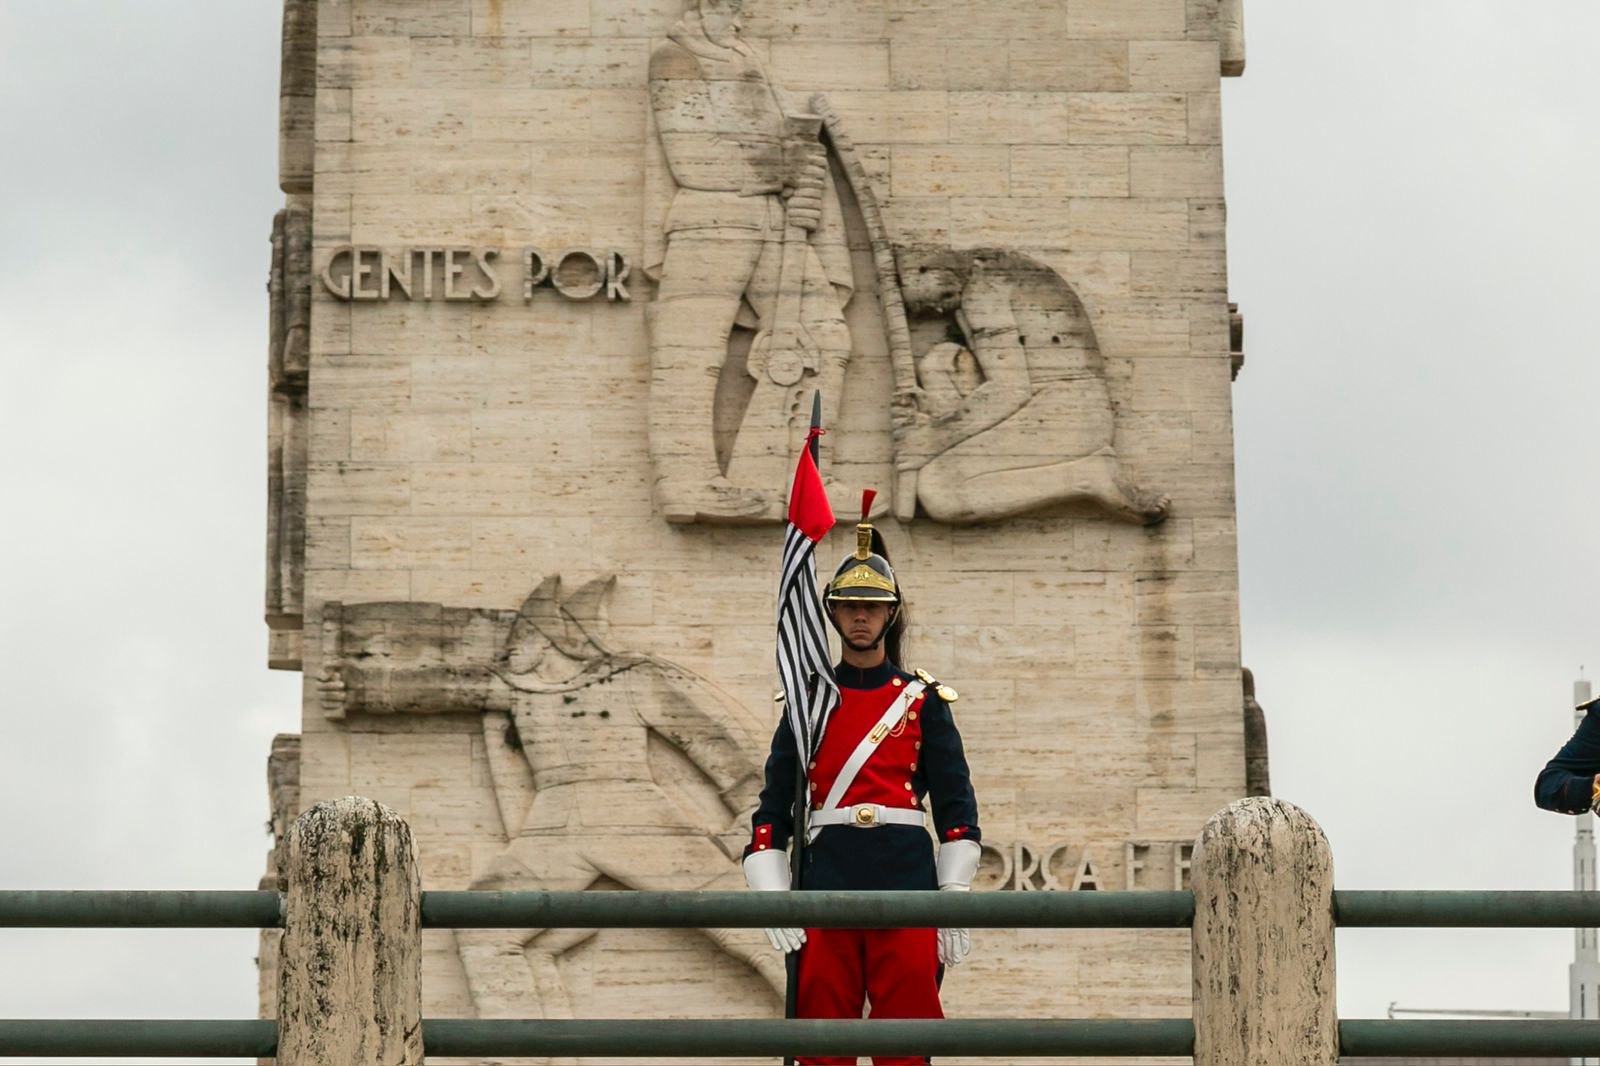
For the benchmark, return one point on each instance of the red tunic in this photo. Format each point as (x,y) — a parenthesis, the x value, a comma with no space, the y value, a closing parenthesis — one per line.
(919,760)
(887,777)
(920,757)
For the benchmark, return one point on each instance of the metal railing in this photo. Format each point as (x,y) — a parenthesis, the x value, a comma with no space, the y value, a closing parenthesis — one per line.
(668,1038)
(1352,909)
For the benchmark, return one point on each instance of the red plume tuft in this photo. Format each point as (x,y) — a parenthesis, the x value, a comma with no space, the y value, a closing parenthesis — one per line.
(867,496)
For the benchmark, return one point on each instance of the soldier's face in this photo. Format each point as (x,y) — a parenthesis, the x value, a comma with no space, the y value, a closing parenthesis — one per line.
(861,623)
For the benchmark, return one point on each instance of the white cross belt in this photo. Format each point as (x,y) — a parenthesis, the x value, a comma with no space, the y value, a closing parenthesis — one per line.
(858,758)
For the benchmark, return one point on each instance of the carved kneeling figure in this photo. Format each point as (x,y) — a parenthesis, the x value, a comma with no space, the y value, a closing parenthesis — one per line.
(1013,412)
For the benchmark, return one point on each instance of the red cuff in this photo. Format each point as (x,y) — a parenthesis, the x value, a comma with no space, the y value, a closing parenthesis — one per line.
(762,841)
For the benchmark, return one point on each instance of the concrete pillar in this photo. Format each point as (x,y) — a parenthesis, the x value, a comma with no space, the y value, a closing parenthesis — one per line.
(1262,876)
(350,965)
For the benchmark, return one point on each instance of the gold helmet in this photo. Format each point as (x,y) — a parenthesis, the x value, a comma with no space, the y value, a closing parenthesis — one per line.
(865,575)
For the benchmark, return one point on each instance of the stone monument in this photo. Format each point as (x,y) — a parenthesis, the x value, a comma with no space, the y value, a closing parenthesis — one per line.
(554,283)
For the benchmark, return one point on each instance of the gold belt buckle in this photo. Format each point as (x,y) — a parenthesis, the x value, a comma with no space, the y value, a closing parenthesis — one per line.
(866,815)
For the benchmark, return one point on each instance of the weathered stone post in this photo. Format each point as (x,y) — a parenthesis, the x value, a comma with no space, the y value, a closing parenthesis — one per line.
(350,986)
(1262,876)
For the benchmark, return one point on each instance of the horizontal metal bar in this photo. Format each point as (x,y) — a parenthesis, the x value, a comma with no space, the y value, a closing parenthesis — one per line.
(205,1039)
(616,1039)
(135,910)
(1463,910)
(630,1038)
(831,910)
(878,910)
(1475,1039)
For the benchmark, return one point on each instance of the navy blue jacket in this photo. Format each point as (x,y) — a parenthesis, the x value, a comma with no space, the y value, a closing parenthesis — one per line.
(887,856)
(1566,784)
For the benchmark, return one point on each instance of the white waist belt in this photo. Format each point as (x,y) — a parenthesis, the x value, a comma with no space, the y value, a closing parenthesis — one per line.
(865,816)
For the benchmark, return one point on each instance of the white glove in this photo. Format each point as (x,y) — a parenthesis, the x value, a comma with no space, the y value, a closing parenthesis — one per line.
(957,865)
(954,944)
(768,871)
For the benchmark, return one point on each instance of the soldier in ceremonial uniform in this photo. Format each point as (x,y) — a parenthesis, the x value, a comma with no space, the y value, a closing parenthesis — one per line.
(890,748)
(1570,782)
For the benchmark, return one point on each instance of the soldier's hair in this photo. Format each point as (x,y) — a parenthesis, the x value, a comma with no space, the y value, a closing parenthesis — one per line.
(895,634)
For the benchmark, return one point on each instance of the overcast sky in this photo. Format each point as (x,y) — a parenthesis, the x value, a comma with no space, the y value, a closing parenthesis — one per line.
(1413,243)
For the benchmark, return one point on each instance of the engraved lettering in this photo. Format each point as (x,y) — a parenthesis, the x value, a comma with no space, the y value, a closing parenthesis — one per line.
(617,270)
(454,267)
(393,273)
(1004,859)
(1071,867)
(371,273)
(578,274)
(1181,856)
(1047,877)
(1132,862)
(427,273)
(1027,868)
(535,270)
(1085,879)
(492,288)
(362,269)
(341,287)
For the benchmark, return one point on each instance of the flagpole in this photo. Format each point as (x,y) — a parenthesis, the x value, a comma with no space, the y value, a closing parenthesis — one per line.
(797,842)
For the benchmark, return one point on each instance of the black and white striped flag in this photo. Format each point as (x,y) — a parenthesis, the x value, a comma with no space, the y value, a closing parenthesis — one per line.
(804,665)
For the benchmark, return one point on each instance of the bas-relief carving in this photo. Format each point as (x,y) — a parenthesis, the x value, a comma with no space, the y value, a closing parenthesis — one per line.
(568,722)
(745,235)
(1257,772)
(288,370)
(1230,14)
(297,97)
(283,795)
(1235,340)
(283,788)
(1012,411)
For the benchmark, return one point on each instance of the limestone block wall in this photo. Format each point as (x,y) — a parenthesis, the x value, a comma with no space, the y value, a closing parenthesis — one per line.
(458,452)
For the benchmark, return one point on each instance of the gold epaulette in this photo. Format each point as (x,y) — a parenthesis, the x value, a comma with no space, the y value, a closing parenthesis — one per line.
(777,697)
(944,692)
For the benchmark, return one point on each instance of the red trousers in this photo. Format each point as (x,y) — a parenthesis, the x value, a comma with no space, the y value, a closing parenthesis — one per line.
(896,970)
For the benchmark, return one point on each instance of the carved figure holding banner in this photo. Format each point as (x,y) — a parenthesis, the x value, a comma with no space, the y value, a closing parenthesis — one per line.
(583,800)
(1013,411)
(743,233)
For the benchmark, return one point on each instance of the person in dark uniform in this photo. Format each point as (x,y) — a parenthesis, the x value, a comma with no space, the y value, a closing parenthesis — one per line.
(1570,782)
(890,748)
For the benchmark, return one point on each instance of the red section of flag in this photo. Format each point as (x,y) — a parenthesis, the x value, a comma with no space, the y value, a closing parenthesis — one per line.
(809,510)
